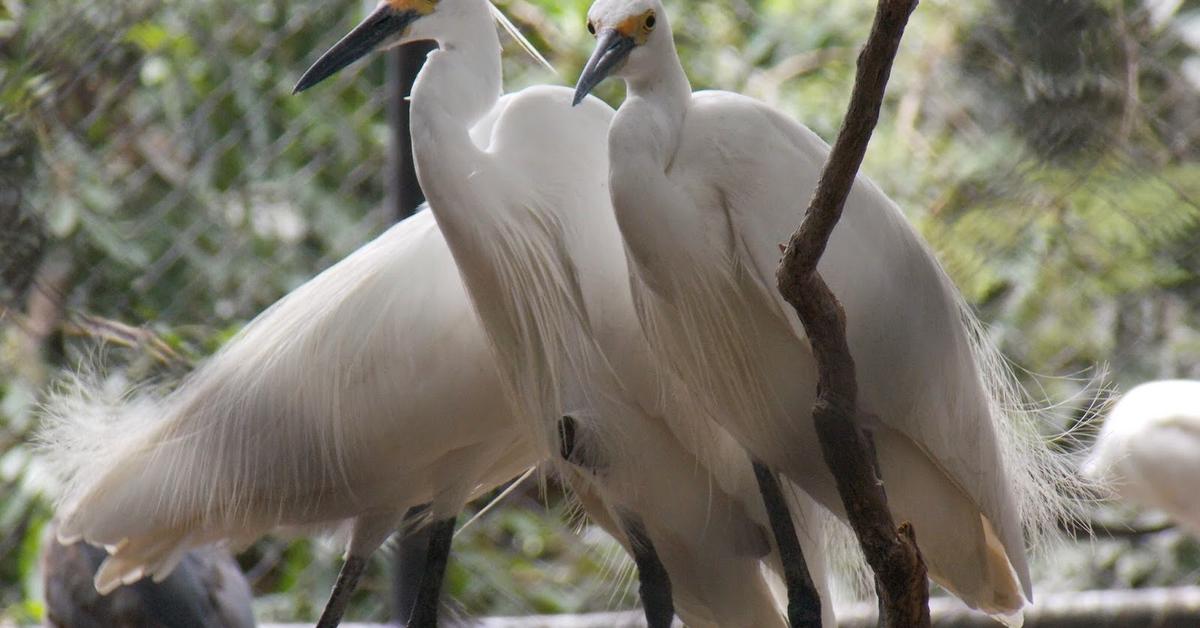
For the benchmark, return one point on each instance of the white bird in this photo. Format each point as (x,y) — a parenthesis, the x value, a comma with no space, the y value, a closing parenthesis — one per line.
(517,184)
(1148,451)
(705,187)
(364,392)
(368,390)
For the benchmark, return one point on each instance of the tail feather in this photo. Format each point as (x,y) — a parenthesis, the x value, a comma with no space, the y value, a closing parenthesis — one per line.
(299,421)
(129,561)
(1046,481)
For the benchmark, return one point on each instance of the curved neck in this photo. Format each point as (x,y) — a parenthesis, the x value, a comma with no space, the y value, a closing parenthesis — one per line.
(655,106)
(461,80)
(459,84)
(643,140)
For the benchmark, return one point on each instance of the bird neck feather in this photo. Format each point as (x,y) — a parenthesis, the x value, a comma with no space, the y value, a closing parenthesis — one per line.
(651,118)
(459,84)
(461,81)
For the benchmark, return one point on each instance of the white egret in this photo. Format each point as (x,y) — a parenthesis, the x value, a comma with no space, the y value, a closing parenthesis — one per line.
(381,351)
(1148,451)
(517,184)
(364,392)
(206,590)
(705,187)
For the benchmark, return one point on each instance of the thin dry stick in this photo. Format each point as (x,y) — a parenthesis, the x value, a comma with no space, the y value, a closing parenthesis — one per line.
(900,577)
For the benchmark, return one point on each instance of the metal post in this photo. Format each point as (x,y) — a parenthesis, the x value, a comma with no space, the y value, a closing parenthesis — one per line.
(403,191)
(403,197)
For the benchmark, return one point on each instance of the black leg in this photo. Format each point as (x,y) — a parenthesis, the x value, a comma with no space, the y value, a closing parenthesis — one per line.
(347,580)
(425,611)
(409,564)
(654,585)
(804,603)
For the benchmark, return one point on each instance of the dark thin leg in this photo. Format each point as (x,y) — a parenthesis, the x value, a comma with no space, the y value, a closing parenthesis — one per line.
(425,611)
(410,565)
(654,585)
(347,580)
(804,604)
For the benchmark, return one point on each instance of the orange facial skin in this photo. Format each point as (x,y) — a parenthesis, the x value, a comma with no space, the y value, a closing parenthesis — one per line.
(635,27)
(424,7)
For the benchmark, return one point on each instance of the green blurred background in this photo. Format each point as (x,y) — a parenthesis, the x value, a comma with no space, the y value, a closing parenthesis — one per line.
(159,186)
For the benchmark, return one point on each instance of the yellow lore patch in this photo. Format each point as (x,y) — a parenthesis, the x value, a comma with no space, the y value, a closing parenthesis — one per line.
(637,27)
(424,7)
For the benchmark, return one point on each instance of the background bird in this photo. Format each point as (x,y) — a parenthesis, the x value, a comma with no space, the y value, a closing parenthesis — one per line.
(1148,451)
(517,184)
(705,187)
(206,590)
(365,392)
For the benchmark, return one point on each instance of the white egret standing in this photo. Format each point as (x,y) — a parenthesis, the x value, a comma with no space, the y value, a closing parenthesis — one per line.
(705,187)
(518,185)
(364,392)
(1149,449)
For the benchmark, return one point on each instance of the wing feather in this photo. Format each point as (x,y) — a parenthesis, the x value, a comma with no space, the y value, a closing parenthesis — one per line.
(919,367)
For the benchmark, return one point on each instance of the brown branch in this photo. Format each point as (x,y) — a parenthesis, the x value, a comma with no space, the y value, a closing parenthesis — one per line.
(900,576)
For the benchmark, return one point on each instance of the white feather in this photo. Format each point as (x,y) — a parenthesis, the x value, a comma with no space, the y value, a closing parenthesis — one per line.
(359,394)
(1149,449)
(705,188)
(525,210)
(520,38)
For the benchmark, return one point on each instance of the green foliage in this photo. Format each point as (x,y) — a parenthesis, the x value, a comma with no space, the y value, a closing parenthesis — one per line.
(155,170)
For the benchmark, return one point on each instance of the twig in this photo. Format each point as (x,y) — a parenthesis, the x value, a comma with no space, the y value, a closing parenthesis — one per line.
(116,332)
(900,576)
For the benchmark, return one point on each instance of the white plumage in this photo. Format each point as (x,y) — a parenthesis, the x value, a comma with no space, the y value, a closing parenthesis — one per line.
(517,184)
(705,188)
(1149,449)
(364,392)
(371,388)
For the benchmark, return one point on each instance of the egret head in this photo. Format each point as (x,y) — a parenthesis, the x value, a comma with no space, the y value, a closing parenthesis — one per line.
(631,36)
(393,22)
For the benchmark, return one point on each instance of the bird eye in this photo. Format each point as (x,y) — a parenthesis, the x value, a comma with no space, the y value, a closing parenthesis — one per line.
(591,27)
(650,22)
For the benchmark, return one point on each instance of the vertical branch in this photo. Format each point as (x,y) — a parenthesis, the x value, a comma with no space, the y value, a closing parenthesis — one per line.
(900,576)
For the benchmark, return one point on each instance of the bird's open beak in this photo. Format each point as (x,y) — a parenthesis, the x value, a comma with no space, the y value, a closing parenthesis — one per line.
(612,47)
(382,24)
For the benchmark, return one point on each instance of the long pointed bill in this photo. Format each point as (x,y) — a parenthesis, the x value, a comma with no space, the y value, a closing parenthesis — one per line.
(611,50)
(382,24)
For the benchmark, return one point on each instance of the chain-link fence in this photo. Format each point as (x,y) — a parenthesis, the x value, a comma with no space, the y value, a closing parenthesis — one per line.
(160,185)
(173,174)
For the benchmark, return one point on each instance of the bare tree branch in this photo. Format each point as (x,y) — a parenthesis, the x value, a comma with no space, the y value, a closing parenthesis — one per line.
(900,576)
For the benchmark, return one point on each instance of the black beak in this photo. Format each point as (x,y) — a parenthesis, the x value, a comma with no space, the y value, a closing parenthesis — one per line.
(611,50)
(382,24)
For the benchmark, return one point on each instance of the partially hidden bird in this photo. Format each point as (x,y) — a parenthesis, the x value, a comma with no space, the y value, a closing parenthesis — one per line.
(1148,452)
(206,590)
(365,392)
(705,188)
(517,184)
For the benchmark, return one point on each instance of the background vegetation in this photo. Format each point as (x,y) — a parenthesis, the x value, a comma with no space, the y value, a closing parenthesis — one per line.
(159,187)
